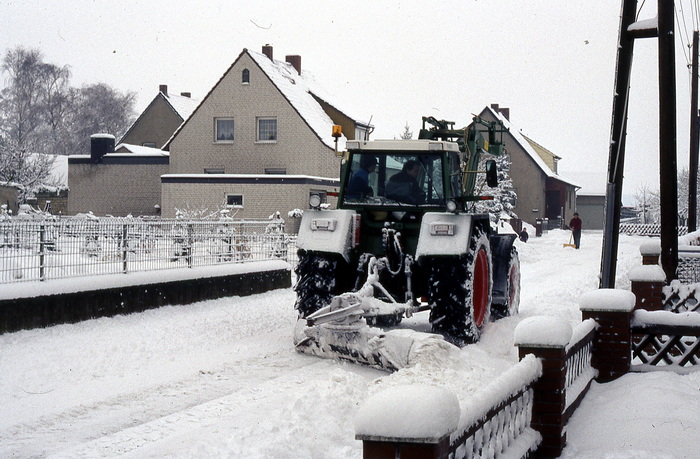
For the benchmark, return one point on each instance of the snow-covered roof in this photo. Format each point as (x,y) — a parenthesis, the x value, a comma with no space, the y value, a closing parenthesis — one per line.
(525,145)
(183,106)
(299,90)
(139,150)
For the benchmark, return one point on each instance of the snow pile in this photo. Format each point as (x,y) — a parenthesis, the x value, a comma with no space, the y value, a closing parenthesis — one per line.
(543,331)
(608,300)
(647,273)
(417,411)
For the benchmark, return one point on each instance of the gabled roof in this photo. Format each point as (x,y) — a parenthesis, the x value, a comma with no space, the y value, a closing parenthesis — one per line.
(181,105)
(528,148)
(298,90)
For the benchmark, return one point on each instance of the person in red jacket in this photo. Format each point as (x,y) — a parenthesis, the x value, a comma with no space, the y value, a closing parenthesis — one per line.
(575,225)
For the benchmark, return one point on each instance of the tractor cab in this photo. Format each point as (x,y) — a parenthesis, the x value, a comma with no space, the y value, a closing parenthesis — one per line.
(399,175)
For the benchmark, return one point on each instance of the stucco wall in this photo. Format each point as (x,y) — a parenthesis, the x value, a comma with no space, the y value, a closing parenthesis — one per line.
(297,150)
(119,186)
(260,200)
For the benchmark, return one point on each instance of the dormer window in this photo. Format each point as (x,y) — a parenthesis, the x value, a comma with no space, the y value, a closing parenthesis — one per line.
(245,76)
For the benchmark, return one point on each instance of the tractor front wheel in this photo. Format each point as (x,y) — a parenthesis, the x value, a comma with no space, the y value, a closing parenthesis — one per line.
(460,292)
(316,282)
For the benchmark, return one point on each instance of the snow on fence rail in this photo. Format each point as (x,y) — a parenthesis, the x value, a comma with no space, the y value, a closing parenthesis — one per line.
(429,423)
(665,339)
(56,249)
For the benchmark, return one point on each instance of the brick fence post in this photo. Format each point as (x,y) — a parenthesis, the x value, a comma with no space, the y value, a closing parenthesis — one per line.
(546,338)
(648,282)
(612,310)
(651,251)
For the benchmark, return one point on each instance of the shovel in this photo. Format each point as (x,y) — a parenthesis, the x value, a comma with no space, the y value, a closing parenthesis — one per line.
(571,238)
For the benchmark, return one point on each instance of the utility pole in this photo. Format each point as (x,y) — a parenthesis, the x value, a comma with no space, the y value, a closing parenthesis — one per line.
(668,171)
(694,131)
(630,30)
(618,133)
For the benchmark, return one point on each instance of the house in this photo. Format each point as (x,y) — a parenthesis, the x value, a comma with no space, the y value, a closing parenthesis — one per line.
(542,192)
(125,179)
(119,184)
(260,142)
(159,120)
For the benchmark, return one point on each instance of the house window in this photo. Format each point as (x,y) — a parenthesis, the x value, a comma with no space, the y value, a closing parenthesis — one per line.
(235,200)
(275,171)
(245,76)
(267,130)
(223,128)
(148,144)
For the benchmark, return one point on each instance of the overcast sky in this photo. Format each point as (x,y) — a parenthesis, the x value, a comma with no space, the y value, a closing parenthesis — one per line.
(552,63)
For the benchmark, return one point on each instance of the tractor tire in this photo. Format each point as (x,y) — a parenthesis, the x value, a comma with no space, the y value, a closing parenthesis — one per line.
(459,292)
(498,311)
(316,281)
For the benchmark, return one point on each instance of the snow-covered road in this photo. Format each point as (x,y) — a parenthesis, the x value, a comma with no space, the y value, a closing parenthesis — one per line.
(221,378)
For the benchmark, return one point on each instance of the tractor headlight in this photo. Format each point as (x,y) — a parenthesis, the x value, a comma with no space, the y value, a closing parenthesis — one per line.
(451,206)
(314,201)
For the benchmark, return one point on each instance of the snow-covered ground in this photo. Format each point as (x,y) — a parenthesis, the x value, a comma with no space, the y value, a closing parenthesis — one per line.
(221,379)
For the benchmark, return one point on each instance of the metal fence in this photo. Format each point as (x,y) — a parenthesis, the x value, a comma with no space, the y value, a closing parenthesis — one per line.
(48,249)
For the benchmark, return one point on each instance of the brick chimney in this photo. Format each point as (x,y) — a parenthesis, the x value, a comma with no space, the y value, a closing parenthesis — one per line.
(186,94)
(267,50)
(164,89)
(295,60)
(503,111)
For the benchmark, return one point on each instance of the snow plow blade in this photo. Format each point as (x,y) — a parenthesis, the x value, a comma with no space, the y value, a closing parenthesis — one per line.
(359,343)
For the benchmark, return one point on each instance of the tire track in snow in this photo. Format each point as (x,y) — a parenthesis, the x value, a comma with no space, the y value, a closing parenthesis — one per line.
(85,423)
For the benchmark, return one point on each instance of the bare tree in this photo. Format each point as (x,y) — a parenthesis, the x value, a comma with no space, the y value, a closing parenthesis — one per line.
(41,115)
(648,204)
(22,106)
(99,108)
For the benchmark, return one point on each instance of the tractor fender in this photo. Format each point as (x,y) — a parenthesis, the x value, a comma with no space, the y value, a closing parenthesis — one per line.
(447,234)
(328,231)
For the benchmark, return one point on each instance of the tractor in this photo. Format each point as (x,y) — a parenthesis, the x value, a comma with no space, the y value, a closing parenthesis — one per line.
(405,239)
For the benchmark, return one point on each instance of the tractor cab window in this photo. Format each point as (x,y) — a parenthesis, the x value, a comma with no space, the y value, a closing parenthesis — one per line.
(395,180)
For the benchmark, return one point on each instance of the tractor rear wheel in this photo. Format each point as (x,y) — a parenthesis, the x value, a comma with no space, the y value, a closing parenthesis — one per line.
(316,282)
(460,292)
(512,305)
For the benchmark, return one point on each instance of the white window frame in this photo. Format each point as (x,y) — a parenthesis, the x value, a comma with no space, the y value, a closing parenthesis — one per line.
(235,206)
(258,138)
(216,130)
